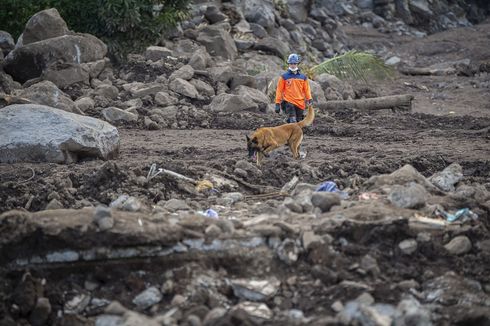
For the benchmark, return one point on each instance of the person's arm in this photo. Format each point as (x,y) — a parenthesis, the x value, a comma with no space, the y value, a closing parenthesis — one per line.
(279,90)
(307,91)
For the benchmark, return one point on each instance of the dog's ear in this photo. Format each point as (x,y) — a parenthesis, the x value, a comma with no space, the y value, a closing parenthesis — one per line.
(248,139)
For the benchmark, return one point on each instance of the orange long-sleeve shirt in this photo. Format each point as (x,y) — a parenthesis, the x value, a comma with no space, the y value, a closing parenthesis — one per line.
(293,88)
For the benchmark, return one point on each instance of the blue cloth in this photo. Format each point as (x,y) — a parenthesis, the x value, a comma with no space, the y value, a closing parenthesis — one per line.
(328,186)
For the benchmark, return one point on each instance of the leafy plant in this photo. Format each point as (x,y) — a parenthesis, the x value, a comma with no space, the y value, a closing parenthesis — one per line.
(353,65)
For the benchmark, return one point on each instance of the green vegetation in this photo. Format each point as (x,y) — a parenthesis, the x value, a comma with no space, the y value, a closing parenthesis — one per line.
(125,25)
(353,65)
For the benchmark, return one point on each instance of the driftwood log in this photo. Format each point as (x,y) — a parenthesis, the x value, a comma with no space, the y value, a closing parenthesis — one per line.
(394,102)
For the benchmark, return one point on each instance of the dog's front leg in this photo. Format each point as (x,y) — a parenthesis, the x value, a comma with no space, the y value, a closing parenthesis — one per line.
(259,158)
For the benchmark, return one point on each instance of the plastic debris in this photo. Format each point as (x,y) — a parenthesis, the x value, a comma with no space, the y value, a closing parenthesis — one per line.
(368,196)
(209,213)
(330,186)
(463,215)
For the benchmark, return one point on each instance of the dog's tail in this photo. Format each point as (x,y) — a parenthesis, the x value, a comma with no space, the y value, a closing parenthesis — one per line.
(308,120)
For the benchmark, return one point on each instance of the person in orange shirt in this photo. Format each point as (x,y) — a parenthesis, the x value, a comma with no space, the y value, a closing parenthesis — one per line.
(293,91)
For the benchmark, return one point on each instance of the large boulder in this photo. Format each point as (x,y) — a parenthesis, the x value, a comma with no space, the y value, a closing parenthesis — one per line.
(232,103)
(64,75)
(259,11)
(254,94)
(218,41)
(273,46)
(297,10)
(38,133)
(46,93)
(183,87)
(30,61)
(44,25)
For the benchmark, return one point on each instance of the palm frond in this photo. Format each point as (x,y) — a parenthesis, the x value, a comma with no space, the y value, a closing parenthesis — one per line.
(354,65)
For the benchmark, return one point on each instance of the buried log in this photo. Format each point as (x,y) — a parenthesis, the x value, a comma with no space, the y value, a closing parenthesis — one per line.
(400,102)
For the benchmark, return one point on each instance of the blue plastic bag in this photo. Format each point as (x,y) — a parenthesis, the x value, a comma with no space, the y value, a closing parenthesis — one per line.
(330,186)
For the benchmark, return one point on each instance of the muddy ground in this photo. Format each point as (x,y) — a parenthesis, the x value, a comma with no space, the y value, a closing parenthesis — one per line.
(449,123)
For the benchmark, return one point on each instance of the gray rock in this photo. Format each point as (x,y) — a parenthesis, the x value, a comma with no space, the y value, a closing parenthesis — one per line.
(258,30)
(410,312)
(259,11)
(273,46)
(214,315)
(138,89)
(212,231)
(243,45)
(203,88)
(183,87)
(164,99)
(116,116)
(7,43)
(255,290)
(126,203)
(297,10)
(44,134)
(408,246)
(148,298)
(107,91)
(309,238)
(325,200)
(185,72)
(218,42)
(96,67)
(459,245)
(65,75)
(257,311)
(85,103)
(254,94)
(447,178)
(200,59)
(155,53)
(214,15)
(174,205)
(29,61)
(411,196)
(46,93)
(44,25)
(232,103)
(288,251)
(242,79)
(221,73)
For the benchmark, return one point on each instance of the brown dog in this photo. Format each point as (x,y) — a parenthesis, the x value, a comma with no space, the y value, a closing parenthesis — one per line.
(265,140)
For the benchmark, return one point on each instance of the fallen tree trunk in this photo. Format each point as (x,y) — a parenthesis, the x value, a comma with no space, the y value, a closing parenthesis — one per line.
(414,71)
(401,102)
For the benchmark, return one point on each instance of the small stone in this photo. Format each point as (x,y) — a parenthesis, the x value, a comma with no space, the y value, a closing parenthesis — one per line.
(365,298)
(459,245)
(54,204)
(102,212)
(213,231)
(309,238)
(325,200)
(178,300)
(226,226)
(115,308)
(424,237)
(214,315)
(408,246)
(337,306)
(148,298)
(105,223)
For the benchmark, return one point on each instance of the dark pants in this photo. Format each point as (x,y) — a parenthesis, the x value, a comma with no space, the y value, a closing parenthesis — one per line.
(294,113)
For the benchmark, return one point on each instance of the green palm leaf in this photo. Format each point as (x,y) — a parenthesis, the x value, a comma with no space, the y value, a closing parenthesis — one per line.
(354,65)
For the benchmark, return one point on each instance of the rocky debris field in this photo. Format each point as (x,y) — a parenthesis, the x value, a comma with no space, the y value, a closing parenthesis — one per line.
(145,209)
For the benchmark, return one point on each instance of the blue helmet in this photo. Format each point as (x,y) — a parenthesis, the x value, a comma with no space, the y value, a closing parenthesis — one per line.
(293,58)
